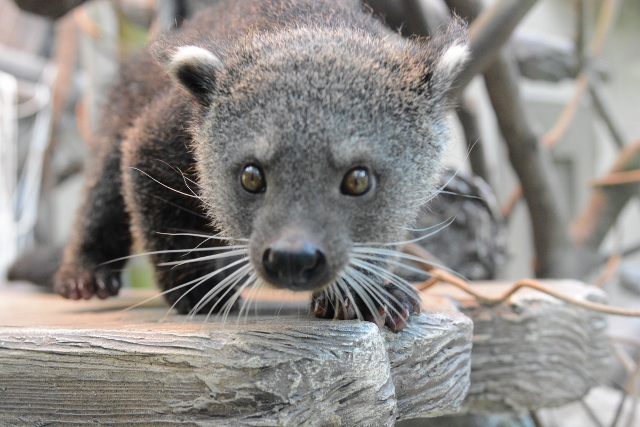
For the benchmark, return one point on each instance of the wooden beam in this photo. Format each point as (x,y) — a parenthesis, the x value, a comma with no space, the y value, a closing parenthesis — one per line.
(90,362)
(63,361)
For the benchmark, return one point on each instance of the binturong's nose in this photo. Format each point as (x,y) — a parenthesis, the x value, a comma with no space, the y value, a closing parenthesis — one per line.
(294,262)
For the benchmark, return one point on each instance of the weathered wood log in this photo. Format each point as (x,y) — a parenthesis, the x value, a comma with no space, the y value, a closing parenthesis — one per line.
(63,361)
(535,351)
(87,362)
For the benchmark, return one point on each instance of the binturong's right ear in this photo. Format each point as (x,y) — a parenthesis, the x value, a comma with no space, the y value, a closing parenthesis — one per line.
(196,70)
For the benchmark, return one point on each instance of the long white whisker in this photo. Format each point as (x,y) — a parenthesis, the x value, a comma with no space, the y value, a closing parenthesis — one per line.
(175,288)
(466,196)
(418,230)
(229,288)
(384,253)
(164,185)
(376,291)
(175,251)
(443,186)
(203,279)
(363,294)
(240,272)
(392,261)
(442,226)
(204,236)
(340,287)
(184,177)
(206,258)
(247,302)
(382,272)
(226,308)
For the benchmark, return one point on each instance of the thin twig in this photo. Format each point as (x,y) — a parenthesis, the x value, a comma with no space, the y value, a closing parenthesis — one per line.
(444,276)
(623,357)
(605,110)
(590,414)
(512,202)
(609,271)
(558,130)
(536,419)
(555,134)
(617,178)
(487,34)
(620,407)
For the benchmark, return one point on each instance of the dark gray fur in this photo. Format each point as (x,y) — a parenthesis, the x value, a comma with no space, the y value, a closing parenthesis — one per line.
(307,90)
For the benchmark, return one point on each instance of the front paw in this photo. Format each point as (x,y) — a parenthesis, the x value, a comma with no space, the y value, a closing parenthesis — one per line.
(393,311)
(81,283)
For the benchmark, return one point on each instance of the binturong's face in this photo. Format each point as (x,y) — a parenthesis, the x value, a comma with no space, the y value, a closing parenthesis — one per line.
(314,146)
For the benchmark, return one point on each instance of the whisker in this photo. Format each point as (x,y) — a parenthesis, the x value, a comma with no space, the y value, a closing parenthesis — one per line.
(175,288)
(174,251)
(239,273)
(405,266)
(184,177)
(377,291)
(229,287)
(364,296)
(176,205)
(204,236)
(443,225)
(164,185)
(384,253)
(249,300)
(384,273)
(226,308)
(206,258)
(340,285)
(420,229)
(465,196)
(203,279)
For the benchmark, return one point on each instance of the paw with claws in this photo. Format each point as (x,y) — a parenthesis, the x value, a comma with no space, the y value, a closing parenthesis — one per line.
(394,312)
(84,283)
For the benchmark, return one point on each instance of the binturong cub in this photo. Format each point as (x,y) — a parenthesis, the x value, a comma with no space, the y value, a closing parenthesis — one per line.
(283,143)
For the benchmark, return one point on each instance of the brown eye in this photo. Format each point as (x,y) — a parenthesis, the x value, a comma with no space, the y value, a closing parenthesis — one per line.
(252,179)
(356,182)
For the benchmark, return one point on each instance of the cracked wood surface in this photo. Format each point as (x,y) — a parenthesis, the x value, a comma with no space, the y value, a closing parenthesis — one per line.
(89,362)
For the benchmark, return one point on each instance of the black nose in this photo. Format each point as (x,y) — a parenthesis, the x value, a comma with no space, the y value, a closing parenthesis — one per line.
(294,263)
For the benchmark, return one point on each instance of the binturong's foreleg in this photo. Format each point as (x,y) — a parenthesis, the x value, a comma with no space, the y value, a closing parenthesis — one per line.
(100,235)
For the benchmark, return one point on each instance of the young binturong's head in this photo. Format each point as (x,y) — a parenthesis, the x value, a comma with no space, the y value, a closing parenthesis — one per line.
(312,143)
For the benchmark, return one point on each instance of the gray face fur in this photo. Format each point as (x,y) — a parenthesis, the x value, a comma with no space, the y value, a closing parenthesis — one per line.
(307,106)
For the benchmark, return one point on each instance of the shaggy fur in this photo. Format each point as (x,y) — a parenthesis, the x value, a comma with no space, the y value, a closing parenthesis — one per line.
(307,90)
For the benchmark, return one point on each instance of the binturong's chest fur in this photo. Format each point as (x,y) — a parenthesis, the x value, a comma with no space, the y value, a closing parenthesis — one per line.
(293,142)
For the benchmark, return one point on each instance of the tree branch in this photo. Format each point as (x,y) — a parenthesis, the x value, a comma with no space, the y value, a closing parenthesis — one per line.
(532,164)
(487,34)
(606,203)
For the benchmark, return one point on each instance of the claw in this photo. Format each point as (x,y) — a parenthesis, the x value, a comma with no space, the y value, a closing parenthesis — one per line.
(348,311)
(319,310)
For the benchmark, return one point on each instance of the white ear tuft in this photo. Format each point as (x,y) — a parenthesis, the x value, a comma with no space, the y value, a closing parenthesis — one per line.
(452,60)
(196,70)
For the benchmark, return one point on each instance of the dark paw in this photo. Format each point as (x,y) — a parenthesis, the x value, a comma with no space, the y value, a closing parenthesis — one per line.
(394,312)
(83,284)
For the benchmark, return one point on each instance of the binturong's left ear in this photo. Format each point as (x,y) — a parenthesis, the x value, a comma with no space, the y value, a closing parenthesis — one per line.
(451,52)
(196,70)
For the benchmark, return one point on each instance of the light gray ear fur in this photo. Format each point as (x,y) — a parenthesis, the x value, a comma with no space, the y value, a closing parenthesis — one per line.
(196,70)
(452,61)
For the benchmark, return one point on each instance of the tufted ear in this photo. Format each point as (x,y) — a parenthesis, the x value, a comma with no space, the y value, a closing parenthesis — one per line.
(451,48)
(452,61)
(195,69)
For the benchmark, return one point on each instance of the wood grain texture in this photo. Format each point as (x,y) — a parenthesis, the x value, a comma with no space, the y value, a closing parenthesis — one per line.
(535,351)
(89,362)
(71,362)
(430,364)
